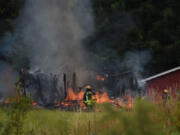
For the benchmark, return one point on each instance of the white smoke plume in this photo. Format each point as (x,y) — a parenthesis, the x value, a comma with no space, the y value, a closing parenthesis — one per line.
(54,31)
(136,61)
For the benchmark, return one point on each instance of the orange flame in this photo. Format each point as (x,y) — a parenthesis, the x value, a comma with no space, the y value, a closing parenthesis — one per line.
(74,99)
(6,101)
(34,103)
(130,101)
(100,78)
(73,96)
(103,98)
(100,98)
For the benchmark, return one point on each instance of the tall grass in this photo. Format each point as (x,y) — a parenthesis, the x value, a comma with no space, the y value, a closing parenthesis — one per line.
(12,116)
(146,118)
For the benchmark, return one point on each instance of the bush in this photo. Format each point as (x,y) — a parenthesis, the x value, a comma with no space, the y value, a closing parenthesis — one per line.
(16,113)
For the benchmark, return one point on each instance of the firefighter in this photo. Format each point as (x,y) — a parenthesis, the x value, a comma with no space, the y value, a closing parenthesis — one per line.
(88,98)
(165,96)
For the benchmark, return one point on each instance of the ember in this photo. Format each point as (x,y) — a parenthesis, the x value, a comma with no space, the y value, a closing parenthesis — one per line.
(100,78)
(34,103)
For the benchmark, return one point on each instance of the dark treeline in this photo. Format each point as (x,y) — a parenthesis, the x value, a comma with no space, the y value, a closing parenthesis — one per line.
(9,10)
(123,26)
(128,25)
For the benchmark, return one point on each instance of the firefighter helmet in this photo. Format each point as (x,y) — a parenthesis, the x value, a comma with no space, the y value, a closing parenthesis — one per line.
(165,91)
(88,87)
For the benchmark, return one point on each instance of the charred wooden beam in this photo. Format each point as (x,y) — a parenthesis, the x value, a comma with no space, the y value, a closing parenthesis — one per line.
(40,89)
(74,86)
(65,84)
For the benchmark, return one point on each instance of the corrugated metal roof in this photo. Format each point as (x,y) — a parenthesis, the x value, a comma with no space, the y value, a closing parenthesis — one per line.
(161,74)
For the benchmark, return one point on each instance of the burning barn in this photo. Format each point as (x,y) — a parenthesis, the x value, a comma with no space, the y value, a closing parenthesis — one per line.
(169,80)
(62,91)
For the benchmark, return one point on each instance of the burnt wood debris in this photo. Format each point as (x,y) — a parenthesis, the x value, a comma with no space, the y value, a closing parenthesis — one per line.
(45,89)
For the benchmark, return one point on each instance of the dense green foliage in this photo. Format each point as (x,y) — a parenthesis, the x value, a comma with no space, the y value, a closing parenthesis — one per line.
(123,26)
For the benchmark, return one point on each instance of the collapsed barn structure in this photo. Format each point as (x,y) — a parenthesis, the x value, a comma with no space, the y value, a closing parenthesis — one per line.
(49,90)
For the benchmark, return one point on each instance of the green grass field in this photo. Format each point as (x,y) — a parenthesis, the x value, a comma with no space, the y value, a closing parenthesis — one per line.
(144,119)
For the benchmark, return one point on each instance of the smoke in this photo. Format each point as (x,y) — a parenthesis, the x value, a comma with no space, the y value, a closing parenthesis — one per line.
(50,34)
(53,32)
(8,77)
(136,61)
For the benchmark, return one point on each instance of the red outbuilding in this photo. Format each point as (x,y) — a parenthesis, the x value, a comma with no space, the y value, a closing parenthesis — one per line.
(169,80)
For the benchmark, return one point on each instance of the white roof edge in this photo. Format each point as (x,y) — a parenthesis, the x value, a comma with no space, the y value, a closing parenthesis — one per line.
(161,74)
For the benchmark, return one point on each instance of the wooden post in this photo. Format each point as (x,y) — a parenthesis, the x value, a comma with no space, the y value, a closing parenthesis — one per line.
(74,82)
(65,85)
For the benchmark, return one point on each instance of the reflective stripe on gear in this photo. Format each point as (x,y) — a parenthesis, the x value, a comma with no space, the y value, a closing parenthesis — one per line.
(89,99)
